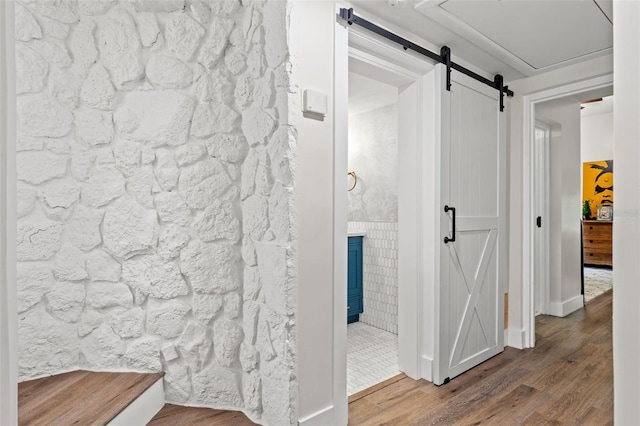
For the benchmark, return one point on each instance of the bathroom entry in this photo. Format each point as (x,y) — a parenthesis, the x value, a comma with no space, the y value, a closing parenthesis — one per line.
(381,76)
(451,208)
(372,335)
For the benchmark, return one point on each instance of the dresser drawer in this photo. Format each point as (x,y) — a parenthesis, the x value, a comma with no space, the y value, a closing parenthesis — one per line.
(591,258)
(602,232)
(596,242)
(602,250)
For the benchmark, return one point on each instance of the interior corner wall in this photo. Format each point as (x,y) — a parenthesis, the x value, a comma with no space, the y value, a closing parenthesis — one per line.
(626,230)
(8,314)
(596,137)
(154,197)
(555,211)
(571,74)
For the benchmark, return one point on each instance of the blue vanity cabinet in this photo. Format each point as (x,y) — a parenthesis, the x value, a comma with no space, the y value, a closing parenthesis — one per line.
(354,280)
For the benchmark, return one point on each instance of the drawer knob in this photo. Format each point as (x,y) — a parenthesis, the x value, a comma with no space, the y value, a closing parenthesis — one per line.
(591,227)
(590,254)
(348,307)
(590,241)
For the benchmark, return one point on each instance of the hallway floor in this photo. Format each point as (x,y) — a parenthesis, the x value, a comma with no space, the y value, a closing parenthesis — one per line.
(567,379)
(372,356)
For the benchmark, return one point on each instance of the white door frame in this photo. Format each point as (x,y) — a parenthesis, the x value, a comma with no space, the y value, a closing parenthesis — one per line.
(415,225)
(528,252)
(541,175)
(8,297)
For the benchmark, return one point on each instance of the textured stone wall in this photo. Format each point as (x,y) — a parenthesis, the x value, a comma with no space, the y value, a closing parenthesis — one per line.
(154,228)
(373,155)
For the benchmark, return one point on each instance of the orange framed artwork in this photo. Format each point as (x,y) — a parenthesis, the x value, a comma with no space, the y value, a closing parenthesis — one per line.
(597,187)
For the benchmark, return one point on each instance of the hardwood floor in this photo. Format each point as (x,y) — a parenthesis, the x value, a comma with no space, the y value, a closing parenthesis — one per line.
(567,379)
(176,415)
(79,397)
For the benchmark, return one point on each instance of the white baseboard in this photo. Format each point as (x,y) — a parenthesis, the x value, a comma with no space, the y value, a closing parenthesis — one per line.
(563,309)
(321,418)
(426,368)
(514,338)
(142,410)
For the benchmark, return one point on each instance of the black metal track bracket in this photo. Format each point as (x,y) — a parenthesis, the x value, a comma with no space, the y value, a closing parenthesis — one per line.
(445,54)
(347,15)
(444,57)
(499,82)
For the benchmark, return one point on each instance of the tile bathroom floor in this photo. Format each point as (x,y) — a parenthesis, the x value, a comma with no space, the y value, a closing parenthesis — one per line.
(372,356)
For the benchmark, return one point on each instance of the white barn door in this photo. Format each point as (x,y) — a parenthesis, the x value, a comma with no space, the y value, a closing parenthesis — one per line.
(470,297)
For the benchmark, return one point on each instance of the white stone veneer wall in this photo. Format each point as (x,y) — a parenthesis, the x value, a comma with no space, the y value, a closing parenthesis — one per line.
(379,274)
(154,192)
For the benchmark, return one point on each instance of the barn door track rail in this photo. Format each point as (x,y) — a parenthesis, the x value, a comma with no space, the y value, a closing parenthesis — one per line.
(444,57)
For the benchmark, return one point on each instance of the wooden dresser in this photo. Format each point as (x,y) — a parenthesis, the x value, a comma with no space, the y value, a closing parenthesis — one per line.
(596,240)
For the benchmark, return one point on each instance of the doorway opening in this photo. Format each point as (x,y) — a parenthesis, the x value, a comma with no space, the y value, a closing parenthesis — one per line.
(596,152)
(372,200)
(394,237)
(555,273)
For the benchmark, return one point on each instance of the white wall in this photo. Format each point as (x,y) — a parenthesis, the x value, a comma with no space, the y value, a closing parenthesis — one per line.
(8,315)
(529,86)
(626,230)
(373,156)
(596,137)
(563,116)
(321,165)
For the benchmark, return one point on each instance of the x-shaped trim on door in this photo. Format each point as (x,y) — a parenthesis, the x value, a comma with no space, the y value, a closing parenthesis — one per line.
(470,308)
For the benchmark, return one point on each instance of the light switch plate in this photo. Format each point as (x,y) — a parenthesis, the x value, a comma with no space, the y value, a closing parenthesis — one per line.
(314,102)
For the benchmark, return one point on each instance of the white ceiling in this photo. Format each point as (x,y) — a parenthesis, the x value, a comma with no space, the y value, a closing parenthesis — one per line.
(516,38)
(367,94)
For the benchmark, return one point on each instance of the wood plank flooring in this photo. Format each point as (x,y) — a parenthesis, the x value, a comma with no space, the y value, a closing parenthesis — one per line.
(176,415)
(79,397)
(567,379)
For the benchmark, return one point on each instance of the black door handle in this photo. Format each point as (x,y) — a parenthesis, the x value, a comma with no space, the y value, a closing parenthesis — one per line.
(453,233)
(539,221)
